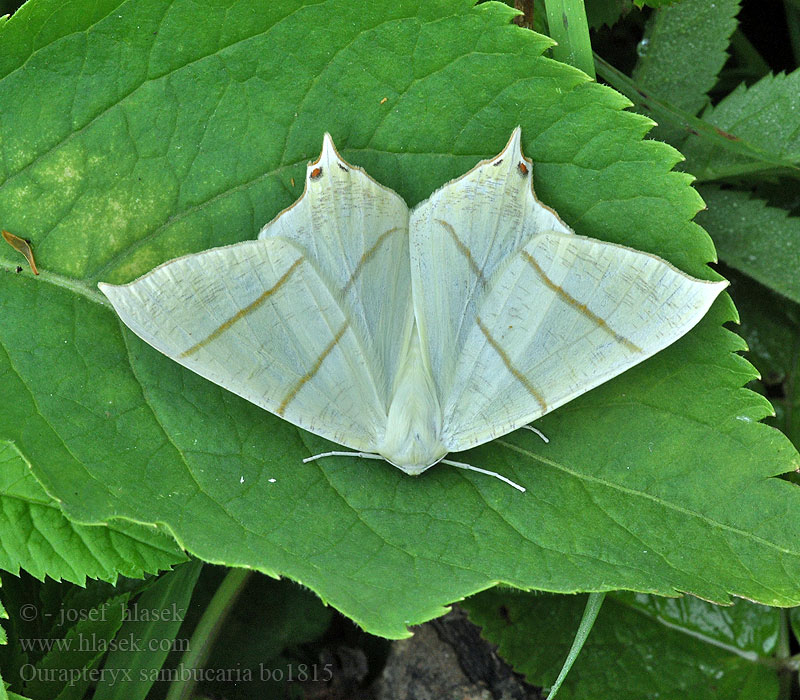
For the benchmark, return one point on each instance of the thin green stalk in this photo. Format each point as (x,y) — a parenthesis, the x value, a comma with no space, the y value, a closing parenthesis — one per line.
(593,605)
(566,20)
(206,632)
(785,675)
(762,161)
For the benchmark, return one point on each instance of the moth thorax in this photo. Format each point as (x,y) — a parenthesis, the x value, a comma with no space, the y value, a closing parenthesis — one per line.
(413,428)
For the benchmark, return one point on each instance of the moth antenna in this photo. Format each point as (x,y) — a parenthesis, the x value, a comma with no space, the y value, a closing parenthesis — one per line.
(469,467)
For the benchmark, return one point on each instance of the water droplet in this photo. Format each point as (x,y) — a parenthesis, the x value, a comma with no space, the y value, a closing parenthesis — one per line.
(642,46)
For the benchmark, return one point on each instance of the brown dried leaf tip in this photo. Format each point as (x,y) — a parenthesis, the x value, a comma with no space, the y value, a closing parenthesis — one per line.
(21,245)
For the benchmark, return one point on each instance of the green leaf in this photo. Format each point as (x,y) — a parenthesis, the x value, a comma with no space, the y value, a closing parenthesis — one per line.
(649,482)
(771,326)
(679,122)
(640,646)
(11,656)
(10,695)
(794,620)
(38,538)
(656,3)
(13,696)
(148,632)
(294,617)
(767,115)
(47,632)
(759,240)
(606,12)
(681,54)
(3,616)
(198,648)
(68,667)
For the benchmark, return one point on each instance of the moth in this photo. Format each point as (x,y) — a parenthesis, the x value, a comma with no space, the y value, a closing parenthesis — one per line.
(405,335)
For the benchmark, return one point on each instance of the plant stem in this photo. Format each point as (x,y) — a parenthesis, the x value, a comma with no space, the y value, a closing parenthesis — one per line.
(593,604)
(761,160)
(785,675)
(566,20)
(206,632)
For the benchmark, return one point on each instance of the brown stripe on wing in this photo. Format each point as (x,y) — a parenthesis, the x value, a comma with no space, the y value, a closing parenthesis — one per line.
(574,303)
(462,248)
(519,376)
(314,369)
(365,258)
(243,312)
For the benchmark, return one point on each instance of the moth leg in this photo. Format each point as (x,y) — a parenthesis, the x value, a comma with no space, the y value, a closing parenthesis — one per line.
(469,467)
(538,432)
(362,455)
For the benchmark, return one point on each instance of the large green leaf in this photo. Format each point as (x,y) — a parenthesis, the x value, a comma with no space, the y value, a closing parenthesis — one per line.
(771,327)
(602,12)
(65,671)
(39,539)
(639,647)
(142,131)
(130,669)
(759,240)
(766,115)
(681,54)
(677,123)
(296,620)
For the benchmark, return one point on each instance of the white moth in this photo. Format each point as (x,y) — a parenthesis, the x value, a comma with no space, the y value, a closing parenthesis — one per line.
(405,335)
